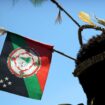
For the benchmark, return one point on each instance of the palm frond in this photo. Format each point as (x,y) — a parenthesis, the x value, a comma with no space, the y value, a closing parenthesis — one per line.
(85,17)
(37,2)
(59,17)
(100,21)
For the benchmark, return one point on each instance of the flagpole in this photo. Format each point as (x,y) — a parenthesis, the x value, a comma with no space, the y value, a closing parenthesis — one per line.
(61,53)
(62,9)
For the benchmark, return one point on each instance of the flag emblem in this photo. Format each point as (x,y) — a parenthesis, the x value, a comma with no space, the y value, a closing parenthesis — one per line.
(23,63)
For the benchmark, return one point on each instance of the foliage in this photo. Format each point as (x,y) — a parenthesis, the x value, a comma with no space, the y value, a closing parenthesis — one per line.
(37,2)
(85,17)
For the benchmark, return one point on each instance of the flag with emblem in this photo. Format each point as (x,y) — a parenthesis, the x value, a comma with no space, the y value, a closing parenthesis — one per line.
(24,66)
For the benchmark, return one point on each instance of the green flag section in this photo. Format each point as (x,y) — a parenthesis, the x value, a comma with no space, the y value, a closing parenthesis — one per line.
(24,66)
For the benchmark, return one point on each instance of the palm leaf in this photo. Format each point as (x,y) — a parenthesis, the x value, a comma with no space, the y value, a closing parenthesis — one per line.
(100,21)
(37,2)
(85,18)
(59,17)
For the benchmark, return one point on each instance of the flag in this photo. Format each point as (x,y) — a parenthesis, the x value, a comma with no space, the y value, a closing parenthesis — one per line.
(24,66)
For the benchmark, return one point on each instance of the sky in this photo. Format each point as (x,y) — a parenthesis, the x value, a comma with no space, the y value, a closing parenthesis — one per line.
(38,23)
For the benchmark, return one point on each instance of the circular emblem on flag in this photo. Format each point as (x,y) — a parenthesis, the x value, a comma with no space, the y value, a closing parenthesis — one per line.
(23,63)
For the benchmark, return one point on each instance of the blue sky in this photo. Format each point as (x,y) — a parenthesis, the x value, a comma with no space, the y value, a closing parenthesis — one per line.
(38,23)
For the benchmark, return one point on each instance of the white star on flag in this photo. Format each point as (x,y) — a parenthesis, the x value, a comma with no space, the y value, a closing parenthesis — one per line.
(1,81)
(5,82)
(9,83)
(4,85)
(6,78)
